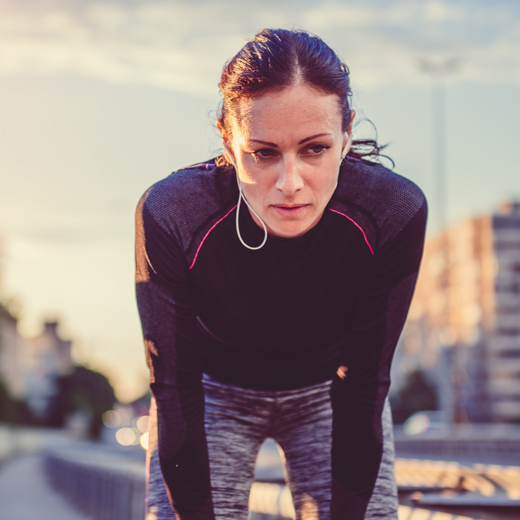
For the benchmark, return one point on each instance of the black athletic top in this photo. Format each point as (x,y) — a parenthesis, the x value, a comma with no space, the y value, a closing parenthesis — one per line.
(284,316)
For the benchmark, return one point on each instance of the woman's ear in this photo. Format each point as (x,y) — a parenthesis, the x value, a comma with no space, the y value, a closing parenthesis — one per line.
(226,143)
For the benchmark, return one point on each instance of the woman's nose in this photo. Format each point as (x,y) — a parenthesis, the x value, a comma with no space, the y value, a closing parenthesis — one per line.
(289,179)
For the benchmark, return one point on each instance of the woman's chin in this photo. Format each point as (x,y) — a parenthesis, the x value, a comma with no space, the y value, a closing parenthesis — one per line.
(290,229)
(288,226)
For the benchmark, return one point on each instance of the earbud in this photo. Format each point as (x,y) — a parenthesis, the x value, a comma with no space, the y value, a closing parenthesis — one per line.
(241,197)
(344,153)
(347,147)
(230,155)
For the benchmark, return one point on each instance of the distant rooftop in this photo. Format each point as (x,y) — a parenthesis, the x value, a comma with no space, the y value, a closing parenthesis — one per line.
(509,208)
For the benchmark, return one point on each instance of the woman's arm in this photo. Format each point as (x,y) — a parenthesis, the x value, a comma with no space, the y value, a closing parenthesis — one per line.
(358,398)
(167,310)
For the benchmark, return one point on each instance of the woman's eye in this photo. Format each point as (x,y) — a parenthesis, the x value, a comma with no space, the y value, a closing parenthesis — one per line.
(317,149)
(263,153)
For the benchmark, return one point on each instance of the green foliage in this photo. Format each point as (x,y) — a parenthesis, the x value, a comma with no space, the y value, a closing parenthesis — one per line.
(416,395)
(25,416)
(14,411)
(83,390)
(7,405)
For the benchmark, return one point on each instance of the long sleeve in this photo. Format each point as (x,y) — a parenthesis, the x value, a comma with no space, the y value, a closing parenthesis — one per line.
(167,311)
(358,400)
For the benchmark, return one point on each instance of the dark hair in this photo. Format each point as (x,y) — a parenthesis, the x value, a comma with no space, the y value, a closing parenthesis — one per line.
(278,58)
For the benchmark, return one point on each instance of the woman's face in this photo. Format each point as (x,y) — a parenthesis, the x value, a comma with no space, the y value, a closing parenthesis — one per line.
(287,148)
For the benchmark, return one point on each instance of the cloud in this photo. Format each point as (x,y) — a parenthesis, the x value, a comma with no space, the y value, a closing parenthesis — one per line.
(384,45)
(154,43)
(181,46)
(69,220)
(362,15)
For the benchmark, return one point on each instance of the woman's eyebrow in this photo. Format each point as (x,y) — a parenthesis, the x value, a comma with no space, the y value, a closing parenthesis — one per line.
(301,142)
(264,142)
(313,137)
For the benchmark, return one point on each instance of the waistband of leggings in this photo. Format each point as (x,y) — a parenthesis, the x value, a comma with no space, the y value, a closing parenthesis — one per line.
(211,382)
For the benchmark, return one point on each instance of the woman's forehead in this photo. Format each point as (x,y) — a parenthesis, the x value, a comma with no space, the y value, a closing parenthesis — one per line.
(294,109)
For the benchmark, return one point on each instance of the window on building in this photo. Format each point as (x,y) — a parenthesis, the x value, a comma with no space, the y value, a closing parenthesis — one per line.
(508,331)
(509,354)
(510,287)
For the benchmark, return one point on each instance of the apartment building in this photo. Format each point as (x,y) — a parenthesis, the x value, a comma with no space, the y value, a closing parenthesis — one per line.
(464,323)
(29,366)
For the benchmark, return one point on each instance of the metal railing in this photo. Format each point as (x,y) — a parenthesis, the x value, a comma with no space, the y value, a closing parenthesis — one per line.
(109,484)
(479,442)
(102,486)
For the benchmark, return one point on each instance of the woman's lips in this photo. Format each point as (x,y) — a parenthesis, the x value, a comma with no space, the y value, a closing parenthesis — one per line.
(289,210)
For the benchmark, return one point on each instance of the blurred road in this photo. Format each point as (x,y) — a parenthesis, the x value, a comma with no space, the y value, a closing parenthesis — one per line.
(26,494)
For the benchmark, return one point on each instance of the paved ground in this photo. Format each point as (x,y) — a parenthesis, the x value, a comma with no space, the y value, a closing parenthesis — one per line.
(26,495)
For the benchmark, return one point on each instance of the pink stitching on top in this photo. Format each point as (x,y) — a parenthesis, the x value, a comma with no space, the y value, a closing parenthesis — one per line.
(206,235)
(358,226)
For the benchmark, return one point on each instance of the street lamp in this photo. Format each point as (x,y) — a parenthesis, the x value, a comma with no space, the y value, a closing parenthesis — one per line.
(438,70)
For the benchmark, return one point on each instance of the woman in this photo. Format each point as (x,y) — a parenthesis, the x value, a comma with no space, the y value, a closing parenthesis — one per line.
(273,283)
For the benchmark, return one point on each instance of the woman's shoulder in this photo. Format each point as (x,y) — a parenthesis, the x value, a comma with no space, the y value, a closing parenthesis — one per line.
(386,199)
(373,184)
(191,184)
(188,197)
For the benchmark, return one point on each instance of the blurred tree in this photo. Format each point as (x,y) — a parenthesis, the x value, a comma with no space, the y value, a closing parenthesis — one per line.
(416,395)
(15,411)
(7,405)
(86,391)
(25,416)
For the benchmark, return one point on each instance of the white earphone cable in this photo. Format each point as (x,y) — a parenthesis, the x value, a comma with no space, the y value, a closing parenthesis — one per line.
(240,197)
(346,150)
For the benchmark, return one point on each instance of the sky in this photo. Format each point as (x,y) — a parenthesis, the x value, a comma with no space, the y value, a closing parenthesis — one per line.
(100,99)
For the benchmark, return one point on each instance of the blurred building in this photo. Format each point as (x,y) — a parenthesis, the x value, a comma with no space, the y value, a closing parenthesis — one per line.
(43,359)
(10,372)
(29,367)
(464,324)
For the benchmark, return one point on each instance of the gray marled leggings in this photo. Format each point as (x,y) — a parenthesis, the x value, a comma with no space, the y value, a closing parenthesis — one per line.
(238,420)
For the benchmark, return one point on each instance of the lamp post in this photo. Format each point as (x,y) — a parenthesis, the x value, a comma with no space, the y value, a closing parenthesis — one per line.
(438,70)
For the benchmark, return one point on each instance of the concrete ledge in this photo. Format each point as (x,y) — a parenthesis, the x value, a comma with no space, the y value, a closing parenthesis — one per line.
(465,499)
